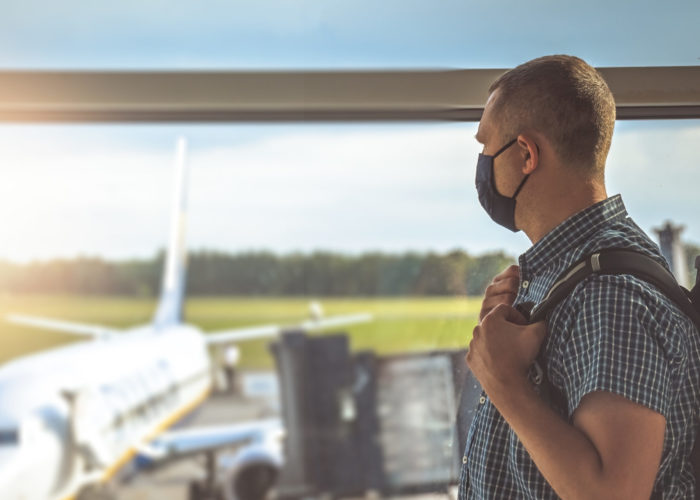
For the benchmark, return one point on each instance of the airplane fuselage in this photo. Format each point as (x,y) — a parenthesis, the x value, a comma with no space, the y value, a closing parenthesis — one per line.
(75,415)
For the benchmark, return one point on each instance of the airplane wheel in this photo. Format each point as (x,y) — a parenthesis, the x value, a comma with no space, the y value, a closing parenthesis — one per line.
(254,483)
(194,491)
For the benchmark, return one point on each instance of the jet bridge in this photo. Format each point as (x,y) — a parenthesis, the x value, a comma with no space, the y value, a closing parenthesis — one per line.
(362,423)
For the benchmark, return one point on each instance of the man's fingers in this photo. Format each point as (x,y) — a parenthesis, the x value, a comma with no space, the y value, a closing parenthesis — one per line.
(502,298)
(515,316)
(500,291)
(539,330)
(508,313)
(476,332)
(506,285)
(490,302)
(509,272)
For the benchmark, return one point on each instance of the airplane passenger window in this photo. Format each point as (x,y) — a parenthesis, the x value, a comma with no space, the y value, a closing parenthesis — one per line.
(9,437)
(115,403)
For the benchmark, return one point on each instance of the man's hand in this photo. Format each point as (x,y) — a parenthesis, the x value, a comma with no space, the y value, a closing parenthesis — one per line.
(502,290)
(503,348)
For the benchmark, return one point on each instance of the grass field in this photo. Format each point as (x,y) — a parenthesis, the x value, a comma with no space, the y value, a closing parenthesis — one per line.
(400,324)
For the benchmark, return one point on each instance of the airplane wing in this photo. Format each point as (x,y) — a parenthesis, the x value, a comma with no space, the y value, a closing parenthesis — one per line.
(256,332)
(334,321)
(239,334)
(87,330)
(177,444)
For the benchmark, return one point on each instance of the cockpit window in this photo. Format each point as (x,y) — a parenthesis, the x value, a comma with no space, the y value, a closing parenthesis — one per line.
(9,437)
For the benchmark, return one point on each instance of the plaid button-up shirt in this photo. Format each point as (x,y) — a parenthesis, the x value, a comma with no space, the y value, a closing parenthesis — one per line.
(612,333)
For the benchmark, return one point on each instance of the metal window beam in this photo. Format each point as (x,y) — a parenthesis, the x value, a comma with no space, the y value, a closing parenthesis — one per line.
(281,96)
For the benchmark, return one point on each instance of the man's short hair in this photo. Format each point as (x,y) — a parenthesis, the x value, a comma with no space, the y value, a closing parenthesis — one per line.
(563,98)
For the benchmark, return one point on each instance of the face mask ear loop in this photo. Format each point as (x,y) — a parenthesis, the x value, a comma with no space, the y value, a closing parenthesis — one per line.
(505,147)
(520,186)
(522,183)
(526,178)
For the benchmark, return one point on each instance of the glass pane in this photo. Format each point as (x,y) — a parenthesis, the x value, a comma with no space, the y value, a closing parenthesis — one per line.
(288,190)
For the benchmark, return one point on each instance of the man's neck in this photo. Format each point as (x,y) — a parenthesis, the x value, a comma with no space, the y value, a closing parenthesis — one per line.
(561,204)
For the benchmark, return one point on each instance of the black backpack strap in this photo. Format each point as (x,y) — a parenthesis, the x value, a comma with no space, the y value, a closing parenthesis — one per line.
(618,262)
(615,262)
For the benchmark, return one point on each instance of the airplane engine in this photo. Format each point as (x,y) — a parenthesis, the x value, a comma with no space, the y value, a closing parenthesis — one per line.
(252,472)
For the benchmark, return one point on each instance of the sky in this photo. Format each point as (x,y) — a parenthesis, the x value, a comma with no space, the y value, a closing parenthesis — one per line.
(105,190)
(343,33)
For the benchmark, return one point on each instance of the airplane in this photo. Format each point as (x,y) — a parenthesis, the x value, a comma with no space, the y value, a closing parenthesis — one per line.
(72,417)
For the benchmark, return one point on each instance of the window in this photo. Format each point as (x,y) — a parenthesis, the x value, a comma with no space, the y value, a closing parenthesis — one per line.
(9,437)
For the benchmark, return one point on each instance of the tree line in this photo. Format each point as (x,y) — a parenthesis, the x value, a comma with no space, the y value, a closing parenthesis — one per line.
(266,274)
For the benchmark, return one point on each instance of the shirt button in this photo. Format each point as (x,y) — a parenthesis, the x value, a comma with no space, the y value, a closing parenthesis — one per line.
(526,284)
(464,460)
(482,400)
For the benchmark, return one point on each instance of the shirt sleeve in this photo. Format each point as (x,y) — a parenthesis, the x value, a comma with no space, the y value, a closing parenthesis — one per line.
(615,345)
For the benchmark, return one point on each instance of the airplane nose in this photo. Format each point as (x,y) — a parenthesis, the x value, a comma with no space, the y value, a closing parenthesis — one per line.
(9,473)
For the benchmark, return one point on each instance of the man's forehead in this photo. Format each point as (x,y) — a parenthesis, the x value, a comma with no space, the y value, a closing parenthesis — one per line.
(486,122)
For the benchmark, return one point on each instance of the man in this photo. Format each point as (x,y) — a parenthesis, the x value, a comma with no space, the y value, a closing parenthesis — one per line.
(625,359)
(232,355)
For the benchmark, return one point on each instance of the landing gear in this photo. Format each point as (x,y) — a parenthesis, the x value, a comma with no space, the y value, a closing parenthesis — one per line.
(206,489)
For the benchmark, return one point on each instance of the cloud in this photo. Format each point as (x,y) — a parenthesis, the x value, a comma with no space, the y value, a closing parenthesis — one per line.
(655,166)
(106,190)
(345,189)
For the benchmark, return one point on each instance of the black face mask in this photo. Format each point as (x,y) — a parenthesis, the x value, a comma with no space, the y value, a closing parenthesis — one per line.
(500,208)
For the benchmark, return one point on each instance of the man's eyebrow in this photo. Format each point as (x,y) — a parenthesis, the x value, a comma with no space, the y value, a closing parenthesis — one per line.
(476,136)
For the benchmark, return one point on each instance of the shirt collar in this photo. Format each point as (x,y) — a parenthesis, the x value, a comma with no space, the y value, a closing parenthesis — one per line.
(573,232)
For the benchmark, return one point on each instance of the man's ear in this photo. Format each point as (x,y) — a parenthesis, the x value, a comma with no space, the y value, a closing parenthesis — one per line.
(530,153)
